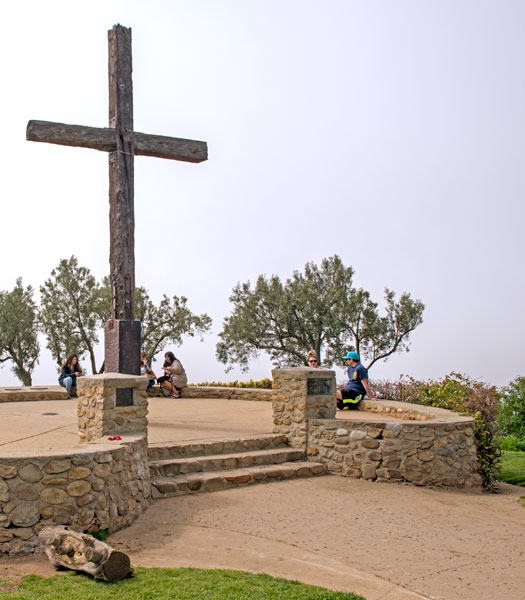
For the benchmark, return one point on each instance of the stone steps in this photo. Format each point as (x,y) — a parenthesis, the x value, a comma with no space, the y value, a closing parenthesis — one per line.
(215,462)
(166,487)
(165,450)
(186,468)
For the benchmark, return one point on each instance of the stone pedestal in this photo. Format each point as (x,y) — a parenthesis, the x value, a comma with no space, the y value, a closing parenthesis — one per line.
(99,414)
(122,346)
(300,394)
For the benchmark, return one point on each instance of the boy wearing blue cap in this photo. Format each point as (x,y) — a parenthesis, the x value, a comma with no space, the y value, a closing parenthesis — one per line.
(357,387)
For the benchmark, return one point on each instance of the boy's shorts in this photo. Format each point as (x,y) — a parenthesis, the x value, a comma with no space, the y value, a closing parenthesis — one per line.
(351,399)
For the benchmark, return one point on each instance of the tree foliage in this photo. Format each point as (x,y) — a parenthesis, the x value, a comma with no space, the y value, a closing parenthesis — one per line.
(166,323)
(511,416)
(19,331)
(318,309)
(74,308)
(160,325)
(69,312)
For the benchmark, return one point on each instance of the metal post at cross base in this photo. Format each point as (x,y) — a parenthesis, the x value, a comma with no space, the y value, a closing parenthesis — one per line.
(122,331)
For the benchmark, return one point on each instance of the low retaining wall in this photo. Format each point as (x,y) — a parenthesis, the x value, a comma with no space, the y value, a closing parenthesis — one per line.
(383,441)
(101,487)
(32,394)
(433,453)
(56,392)
(220,393)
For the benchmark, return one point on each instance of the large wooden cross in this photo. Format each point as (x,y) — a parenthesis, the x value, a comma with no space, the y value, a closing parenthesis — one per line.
(122,332)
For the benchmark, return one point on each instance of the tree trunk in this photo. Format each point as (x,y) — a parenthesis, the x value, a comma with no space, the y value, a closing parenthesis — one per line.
(81,552)
(92,359)
(23,374)
(27,380)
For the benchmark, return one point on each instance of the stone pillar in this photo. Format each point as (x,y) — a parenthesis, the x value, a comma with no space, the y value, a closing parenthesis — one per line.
(299,394)
(99,414)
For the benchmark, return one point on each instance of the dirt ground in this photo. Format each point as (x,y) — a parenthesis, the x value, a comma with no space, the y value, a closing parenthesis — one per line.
(381,540)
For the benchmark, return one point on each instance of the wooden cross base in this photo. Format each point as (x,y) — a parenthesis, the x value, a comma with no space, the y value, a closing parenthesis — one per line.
(122,346)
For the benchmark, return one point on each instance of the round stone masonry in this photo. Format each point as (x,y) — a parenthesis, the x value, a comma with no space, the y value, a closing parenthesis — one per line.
(382,441)
(100,485)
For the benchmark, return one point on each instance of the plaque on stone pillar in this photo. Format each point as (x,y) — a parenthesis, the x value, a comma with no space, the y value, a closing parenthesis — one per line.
(124,397)
(319,387)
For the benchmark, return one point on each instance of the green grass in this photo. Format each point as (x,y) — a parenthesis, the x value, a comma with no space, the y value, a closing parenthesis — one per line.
(164,584)
(512,468)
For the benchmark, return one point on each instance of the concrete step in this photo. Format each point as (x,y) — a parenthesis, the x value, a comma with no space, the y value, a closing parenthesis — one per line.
(180,466)
(165,450)
(167,487)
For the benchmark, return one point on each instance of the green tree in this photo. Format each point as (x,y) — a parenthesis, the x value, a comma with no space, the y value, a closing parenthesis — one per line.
(511,417)
(69,311)
(159,325)
(166,323)
(75,307)
(318,309)
(19,331)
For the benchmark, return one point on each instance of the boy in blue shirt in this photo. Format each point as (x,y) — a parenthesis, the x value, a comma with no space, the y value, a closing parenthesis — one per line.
(357,387)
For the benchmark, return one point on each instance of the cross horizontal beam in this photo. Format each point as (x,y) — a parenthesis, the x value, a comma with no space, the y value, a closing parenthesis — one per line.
(105,140)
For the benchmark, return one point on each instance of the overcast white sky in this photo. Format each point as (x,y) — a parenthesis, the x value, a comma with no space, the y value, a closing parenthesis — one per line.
(391,133)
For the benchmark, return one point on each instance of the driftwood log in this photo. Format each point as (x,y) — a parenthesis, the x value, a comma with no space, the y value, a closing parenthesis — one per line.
(81,552)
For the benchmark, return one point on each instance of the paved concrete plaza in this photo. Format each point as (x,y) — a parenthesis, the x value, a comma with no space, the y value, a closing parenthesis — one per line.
(52,425)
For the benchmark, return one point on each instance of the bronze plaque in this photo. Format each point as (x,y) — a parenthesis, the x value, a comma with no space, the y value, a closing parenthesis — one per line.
(319,387)
(124,397)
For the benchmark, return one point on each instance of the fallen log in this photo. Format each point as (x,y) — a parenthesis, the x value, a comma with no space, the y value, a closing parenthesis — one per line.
(82,552)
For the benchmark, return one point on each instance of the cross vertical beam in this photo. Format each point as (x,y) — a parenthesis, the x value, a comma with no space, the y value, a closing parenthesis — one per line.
(121,164)
(122,332)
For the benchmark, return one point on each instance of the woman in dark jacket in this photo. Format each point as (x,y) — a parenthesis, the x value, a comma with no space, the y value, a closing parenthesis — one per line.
(69,373)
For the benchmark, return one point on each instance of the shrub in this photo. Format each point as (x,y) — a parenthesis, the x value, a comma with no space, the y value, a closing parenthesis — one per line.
(511,416)
(463,395)
(263,384)
(100,534)
(512,443)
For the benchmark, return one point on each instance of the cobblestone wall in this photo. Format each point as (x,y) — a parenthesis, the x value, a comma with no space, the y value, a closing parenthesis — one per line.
(100,488)
(416,444)
(212,392)
(442,454)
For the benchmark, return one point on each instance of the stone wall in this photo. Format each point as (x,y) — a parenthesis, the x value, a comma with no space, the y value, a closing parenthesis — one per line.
(102,487)
(433,453)
(399,410)
(383,441)
(98,414)
(31,394)
(212,392)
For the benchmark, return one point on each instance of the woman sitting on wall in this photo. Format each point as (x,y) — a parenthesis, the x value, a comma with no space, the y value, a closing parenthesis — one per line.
(69,372)
(174,378)
(145,370)
(311,359)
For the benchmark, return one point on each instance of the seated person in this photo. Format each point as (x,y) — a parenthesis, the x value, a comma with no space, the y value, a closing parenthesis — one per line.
(174,378)
(357,387)
(311,360)
(145,370)
(69,372)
